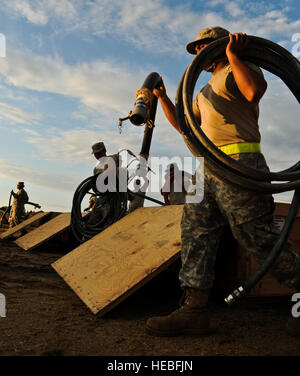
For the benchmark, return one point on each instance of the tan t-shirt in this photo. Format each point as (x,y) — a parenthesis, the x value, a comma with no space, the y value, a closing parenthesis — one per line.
(226,116)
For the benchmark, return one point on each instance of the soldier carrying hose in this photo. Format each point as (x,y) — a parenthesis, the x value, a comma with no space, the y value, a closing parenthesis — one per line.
(18,206)
(227,109)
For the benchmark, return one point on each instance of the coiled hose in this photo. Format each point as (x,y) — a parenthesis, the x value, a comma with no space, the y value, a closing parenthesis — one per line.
(116,201)
(80,226)
(278,61)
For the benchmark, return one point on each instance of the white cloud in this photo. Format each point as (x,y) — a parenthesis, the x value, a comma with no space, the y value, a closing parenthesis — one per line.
(75,145)
(31,132)
(24,8)
(14,114)
(233,9)
(101,85)
(104,89)
(155,25)
(65,182)
(165,28)
(39,12)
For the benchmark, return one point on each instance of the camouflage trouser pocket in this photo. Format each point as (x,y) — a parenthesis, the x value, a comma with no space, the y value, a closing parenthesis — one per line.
(241,205)
(258,235)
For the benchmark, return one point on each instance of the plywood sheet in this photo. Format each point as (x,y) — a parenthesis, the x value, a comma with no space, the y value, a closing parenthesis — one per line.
(113,264)
(44,232)
(24,224)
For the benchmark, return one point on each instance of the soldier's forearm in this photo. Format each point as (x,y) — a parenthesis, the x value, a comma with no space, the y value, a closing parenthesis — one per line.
(251,84)
(169,110)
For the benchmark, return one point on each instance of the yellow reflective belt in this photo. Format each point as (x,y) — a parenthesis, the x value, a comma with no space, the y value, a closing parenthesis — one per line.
(241,147)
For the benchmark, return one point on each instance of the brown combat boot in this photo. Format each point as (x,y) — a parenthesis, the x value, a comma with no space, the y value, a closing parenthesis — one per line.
(191,318)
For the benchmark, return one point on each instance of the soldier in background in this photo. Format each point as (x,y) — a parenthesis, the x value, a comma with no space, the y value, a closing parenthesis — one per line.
(101,207)
(175,182)
(99,151)
(18,206)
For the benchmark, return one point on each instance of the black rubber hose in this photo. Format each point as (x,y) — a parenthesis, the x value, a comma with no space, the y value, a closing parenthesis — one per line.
(215,157)
(272,256)
(147,197)
(80,227)
(278,61)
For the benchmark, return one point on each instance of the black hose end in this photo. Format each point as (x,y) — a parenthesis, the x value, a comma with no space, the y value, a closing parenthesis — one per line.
(236,294)
(137,119)
(139,114)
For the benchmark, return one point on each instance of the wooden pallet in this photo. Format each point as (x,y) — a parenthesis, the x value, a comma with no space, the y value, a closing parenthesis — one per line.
(44,232)
(113,264)
(25,224)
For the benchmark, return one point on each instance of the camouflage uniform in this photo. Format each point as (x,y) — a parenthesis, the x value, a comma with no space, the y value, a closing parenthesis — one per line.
(18,208)
(250,216)
(101,207)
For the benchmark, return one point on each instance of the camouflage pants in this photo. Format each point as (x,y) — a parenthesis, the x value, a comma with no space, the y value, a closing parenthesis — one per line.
(250,216)
(17,216)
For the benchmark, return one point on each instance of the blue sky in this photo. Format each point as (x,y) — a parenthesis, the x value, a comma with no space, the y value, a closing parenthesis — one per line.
(72,68)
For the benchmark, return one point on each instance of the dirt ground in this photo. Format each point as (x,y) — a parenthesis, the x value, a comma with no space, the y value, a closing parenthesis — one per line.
(45,317)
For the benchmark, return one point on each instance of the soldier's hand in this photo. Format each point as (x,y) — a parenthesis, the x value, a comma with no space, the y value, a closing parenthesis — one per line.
(237,44)
(160,92)
(12,192)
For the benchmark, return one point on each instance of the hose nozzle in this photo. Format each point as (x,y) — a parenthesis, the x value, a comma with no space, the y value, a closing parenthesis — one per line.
(139,114)
(236,294)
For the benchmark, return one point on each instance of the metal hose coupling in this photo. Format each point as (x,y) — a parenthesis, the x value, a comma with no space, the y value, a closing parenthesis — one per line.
(140,113)
(144,98)
(236,294)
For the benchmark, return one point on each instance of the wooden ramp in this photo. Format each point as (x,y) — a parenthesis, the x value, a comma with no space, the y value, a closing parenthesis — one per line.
(113,264)
(44,232)
(25,224)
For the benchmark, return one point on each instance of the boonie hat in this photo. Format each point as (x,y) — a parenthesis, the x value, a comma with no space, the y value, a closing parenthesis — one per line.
(206,35)
(98,147)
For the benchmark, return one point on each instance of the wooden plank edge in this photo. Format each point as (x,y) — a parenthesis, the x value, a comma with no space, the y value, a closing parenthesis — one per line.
(4,237)
(42,242)
(141,283)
